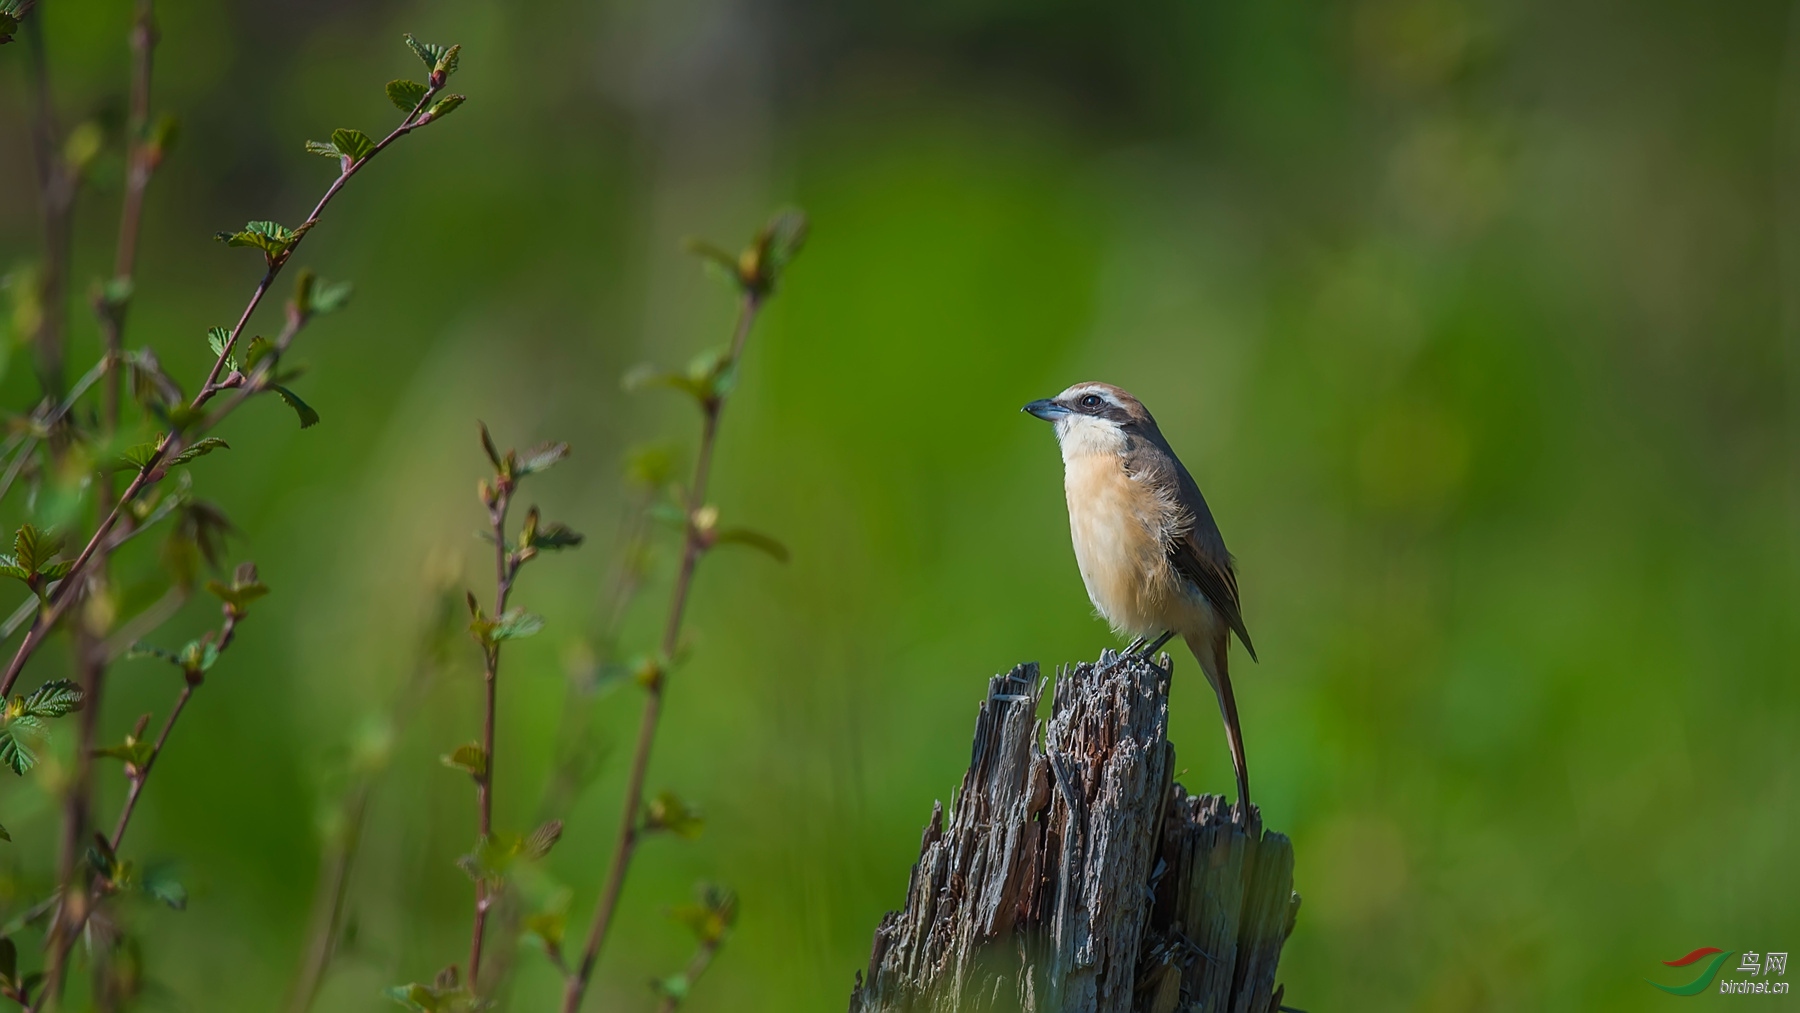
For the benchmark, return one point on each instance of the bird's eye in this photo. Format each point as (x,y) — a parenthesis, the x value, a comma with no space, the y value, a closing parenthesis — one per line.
(1091,401)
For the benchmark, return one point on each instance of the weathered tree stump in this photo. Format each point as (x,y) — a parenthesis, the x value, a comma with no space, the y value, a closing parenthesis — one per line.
(1076,877)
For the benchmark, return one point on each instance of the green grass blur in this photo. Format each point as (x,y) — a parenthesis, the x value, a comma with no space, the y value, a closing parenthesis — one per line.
(1477,322)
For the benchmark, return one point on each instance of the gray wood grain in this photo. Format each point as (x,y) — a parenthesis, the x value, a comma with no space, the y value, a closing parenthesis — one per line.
(1072,875)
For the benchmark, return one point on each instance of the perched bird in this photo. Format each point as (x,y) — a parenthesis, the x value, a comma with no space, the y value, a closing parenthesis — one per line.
(1150,554)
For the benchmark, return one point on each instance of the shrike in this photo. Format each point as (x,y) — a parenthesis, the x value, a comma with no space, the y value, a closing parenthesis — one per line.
(1150,554)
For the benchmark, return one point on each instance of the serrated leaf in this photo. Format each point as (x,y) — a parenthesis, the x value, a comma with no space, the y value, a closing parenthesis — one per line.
(428,54)
(137,457)
(541,458)
(470,757)
(668,812)
(354,144)
(199,449)
(325,148)
(404,94)
(272,238)
(15,754)
(33,547)
(308,417)
(217,339)
(52,700)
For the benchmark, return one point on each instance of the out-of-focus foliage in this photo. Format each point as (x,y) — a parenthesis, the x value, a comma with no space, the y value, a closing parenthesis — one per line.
(1477,322)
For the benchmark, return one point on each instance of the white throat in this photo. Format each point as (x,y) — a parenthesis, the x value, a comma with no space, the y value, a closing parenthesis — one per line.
(1085,436)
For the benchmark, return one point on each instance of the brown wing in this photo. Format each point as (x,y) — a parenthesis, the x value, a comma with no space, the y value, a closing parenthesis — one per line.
(1199,553)
(1215,580)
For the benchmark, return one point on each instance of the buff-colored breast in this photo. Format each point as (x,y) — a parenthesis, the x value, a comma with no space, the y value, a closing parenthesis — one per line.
(1118,527)
(1116,545)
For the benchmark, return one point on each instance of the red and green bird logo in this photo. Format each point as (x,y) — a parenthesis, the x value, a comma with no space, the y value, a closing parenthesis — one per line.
(1707,973)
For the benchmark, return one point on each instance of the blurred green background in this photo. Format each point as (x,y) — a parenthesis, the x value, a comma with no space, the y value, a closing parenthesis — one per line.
(1479,323)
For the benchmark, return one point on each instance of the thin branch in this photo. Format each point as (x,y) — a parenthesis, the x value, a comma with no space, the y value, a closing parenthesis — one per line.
(63,595)
(506,568)
(693,547)
(56,190)
(697,965)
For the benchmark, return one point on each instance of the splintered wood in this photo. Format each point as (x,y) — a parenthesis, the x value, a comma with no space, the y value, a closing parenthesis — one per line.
(1073,876)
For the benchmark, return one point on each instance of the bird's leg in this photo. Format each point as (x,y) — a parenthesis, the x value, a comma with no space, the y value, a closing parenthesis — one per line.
(1150,652)
(1135,644)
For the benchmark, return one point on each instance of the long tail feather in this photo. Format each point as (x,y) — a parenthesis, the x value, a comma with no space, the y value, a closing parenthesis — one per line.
(1212,658)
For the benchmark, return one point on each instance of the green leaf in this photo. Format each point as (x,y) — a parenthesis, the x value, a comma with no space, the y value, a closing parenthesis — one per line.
(651,467)
(272,238)
(260,349)
(782,239)
(487,445)
(33,547)
(470,757)
(648,375)
(150,651)
(555,535)
(237,595)
(53,699)
(325,148)
(137,457)
(516,624)
(416,997)
(441,59)
(15,754)
(354,144)
(308,417)
(405,95)
(753,539)
(668,812)
(492,857)
(160,883)
(133,750)
(198,450)
(445,106)
(540,458)
(218,338)
(329,297)
(199,656)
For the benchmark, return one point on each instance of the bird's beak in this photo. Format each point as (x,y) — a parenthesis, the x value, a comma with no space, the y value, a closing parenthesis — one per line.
(1046,409)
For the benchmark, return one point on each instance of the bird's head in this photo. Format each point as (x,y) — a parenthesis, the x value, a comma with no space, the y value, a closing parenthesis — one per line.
(1092,416)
